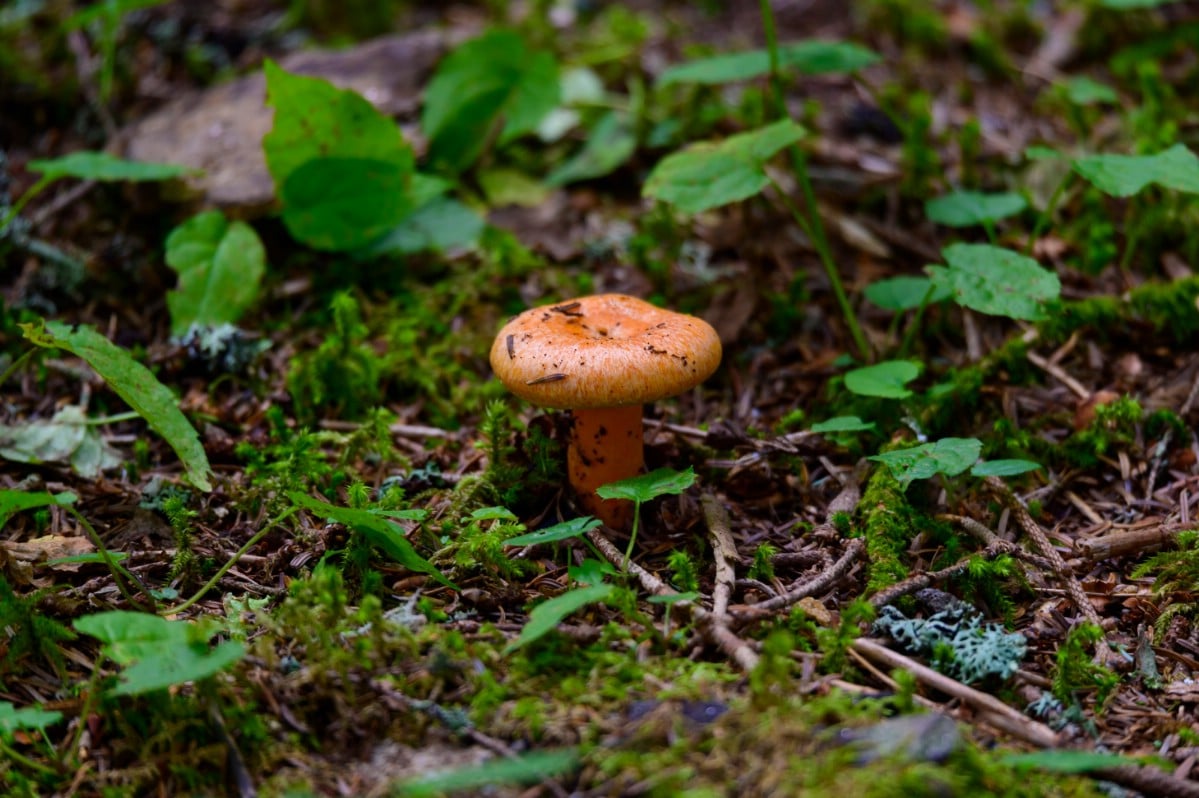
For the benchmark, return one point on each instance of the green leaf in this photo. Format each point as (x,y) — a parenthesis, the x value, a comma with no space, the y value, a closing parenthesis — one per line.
(842,424)
(65,438)
(949,456)
(811,57)
(611,143)
(673,598)
(378,530)
(969,208)
(13,719)
(708,175)
(158,653)
(315,119)
(220,266)
(438,226)
(1123,5)
(906,292)
(105,168)
(16,501)
(591,571)
(885,380)
(549,613)
(659,482)
(996,281)
(1082,90)
(134,383)
(1124,175)
(1066,761)
(576,527)
(1003,468)
(488,82)
(338,203)
(528,768)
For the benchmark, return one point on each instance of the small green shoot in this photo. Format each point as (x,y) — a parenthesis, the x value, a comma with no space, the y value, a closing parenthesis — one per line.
(549,613)
(491,87)
(378,529)
(640,489)
(885,380)
(810,57)
(948,456)
(711,174)
(220,266)
(134,383)
(996,281)
(157,653)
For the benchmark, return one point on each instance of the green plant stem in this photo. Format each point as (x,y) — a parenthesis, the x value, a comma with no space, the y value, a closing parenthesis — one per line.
(834,277)
(17,365)
(1047,215)
(119,573)
(23,200)
(628,552)
(15,756)
(813,226)
(119,417)
(1131,238)
(224,569)
(909,335)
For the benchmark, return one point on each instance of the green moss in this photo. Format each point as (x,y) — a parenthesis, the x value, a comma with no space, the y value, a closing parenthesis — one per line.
(888,523)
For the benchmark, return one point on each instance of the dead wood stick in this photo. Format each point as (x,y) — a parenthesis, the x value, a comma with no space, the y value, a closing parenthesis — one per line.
(724,553)
(1159,455)
(1130,541)
(1024,728)
(1056,371)
(921,581)
(736,649)
(1031,528)
(817,584)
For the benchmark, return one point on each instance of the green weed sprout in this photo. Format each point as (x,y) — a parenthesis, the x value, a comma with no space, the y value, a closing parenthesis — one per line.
(660,482)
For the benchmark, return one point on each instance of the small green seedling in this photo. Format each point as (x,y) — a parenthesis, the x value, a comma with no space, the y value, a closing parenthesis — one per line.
(948,456)
(220,266)
(158,653)
(885,380)
(659,482)
(135,384)
(971,208)
(548,614)
(97,166)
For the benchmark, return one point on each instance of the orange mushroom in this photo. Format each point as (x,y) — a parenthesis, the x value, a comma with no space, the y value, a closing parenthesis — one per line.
(603,357)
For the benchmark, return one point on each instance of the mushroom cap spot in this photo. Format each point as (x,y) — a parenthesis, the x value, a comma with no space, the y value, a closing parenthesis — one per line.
(607,350)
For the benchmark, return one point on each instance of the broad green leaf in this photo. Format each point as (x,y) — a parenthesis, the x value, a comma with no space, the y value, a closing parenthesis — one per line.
(1082,90)
(969,208)
(157,653)
(378,530)
(15,501)
(591,571)
(1124,175)
(104,167)
(842,424)
(491,81)
(885,380)
(576,527)
(438,226)
(220,266)
(65,438)
(659,482)
(996,281)
(548,614)
(807,57)
(708,175)
(528,768)
(1066,761)
(1003,468)
(611,143)
(343,203)
(134,383)
(505,186)
(906,292)
(1039,153)
(493,514)
(14,720)
(315,119)
(948,456)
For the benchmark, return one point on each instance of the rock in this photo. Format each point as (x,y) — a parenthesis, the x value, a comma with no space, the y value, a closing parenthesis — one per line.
(219,130)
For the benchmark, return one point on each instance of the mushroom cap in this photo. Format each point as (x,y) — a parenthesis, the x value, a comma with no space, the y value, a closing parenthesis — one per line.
(607,350)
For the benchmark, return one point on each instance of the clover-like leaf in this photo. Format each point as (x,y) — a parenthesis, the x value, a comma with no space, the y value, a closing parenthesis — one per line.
(885,380)
(996,281)
(1124,175)
(220,266)
(659,482)
(970,208)
(948,456)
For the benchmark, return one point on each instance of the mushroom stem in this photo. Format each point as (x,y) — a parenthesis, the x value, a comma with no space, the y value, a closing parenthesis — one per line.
(605,446)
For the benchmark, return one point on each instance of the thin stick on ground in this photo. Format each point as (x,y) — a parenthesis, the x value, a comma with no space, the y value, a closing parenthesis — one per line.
(1030,527)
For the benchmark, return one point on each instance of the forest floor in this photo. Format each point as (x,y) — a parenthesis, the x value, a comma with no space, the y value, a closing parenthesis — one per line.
(925,531)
